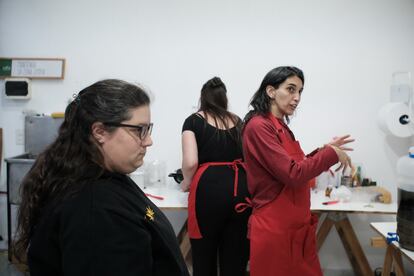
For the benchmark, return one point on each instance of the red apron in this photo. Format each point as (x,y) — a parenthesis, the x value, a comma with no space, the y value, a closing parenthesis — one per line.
(283,232)
(192,224)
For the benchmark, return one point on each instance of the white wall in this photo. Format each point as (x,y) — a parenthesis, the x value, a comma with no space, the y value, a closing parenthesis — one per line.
(347,49)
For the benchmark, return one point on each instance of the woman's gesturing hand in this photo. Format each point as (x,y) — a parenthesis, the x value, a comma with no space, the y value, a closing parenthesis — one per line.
(340,141)
(344,159)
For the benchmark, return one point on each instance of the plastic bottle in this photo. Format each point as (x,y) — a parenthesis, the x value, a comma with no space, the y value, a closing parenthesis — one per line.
(405,214)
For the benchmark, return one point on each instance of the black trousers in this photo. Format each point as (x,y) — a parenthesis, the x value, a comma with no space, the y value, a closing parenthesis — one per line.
(224,246)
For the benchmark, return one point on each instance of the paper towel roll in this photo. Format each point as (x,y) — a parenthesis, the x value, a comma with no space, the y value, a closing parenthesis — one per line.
(389,120)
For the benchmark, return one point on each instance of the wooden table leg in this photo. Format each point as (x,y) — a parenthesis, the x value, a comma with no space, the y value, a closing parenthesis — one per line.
(398,264)
(184,242)
(353,248)
(393,256)
(386,267)
(323,232)
(185,247)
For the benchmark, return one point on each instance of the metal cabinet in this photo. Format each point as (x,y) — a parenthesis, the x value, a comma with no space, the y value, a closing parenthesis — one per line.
(40,131)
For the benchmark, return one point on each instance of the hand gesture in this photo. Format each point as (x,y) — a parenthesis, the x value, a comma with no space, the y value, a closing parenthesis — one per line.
(344,159)
(340,141)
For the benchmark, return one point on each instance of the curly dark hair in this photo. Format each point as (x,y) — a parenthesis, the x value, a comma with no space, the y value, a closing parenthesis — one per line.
(73,158)
(260,100)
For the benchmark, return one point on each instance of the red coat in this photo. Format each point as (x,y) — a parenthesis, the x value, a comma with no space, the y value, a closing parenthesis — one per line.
(269,166)
(282,230)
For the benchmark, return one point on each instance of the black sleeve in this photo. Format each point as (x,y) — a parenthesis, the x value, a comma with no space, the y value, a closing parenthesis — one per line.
(239,122)
(98,241)
(189,124)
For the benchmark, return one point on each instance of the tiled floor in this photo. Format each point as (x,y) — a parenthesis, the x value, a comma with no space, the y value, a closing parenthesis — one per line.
(331,272)
(7,269)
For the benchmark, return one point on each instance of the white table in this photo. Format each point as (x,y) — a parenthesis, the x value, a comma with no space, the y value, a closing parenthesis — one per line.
(393,253)
(174,198)
(337,215)
(317,198)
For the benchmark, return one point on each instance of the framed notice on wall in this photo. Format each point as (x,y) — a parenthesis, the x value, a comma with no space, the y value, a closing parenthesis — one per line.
(35,68)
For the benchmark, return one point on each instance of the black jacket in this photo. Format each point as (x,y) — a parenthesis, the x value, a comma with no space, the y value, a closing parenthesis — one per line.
(109,228)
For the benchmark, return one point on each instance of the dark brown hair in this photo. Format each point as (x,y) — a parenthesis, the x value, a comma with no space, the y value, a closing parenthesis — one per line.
(73,158)
(214,103)
(261,101)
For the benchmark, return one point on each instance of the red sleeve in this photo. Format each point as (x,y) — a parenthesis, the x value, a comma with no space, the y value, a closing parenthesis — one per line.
(264,148)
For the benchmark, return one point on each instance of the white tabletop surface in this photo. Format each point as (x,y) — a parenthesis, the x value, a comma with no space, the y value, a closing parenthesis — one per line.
(318,197)
(173,197)
(384,227)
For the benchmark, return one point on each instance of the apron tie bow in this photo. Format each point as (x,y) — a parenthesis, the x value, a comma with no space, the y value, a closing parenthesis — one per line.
(241,207)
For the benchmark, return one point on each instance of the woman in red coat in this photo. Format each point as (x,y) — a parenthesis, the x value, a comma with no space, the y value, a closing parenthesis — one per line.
(281,227)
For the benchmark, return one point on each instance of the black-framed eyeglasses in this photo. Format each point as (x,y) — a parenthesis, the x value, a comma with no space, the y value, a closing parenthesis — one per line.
(141,131)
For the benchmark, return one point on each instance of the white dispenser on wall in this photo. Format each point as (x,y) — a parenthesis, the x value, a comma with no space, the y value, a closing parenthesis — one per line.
(395,117)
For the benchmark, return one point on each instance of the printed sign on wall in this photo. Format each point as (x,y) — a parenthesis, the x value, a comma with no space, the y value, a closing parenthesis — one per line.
(40,68)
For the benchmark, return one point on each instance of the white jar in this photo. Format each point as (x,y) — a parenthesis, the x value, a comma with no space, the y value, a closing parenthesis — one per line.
(405,214)
(139,178)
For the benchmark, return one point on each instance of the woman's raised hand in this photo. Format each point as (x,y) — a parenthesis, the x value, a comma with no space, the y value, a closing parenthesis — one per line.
(340,141)
(344,159)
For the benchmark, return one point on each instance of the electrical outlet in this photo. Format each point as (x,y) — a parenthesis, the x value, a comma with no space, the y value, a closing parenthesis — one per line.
(19,137)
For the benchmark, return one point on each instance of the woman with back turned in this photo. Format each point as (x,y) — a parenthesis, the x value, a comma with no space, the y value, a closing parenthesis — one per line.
(213,171)
(80,212)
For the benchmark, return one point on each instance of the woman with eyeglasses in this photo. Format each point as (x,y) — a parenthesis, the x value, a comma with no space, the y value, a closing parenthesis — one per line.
(213,172)
(281,227)
(80,213)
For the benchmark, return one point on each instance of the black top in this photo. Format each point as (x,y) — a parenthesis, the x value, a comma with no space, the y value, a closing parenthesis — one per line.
(106,229)
(213,144)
